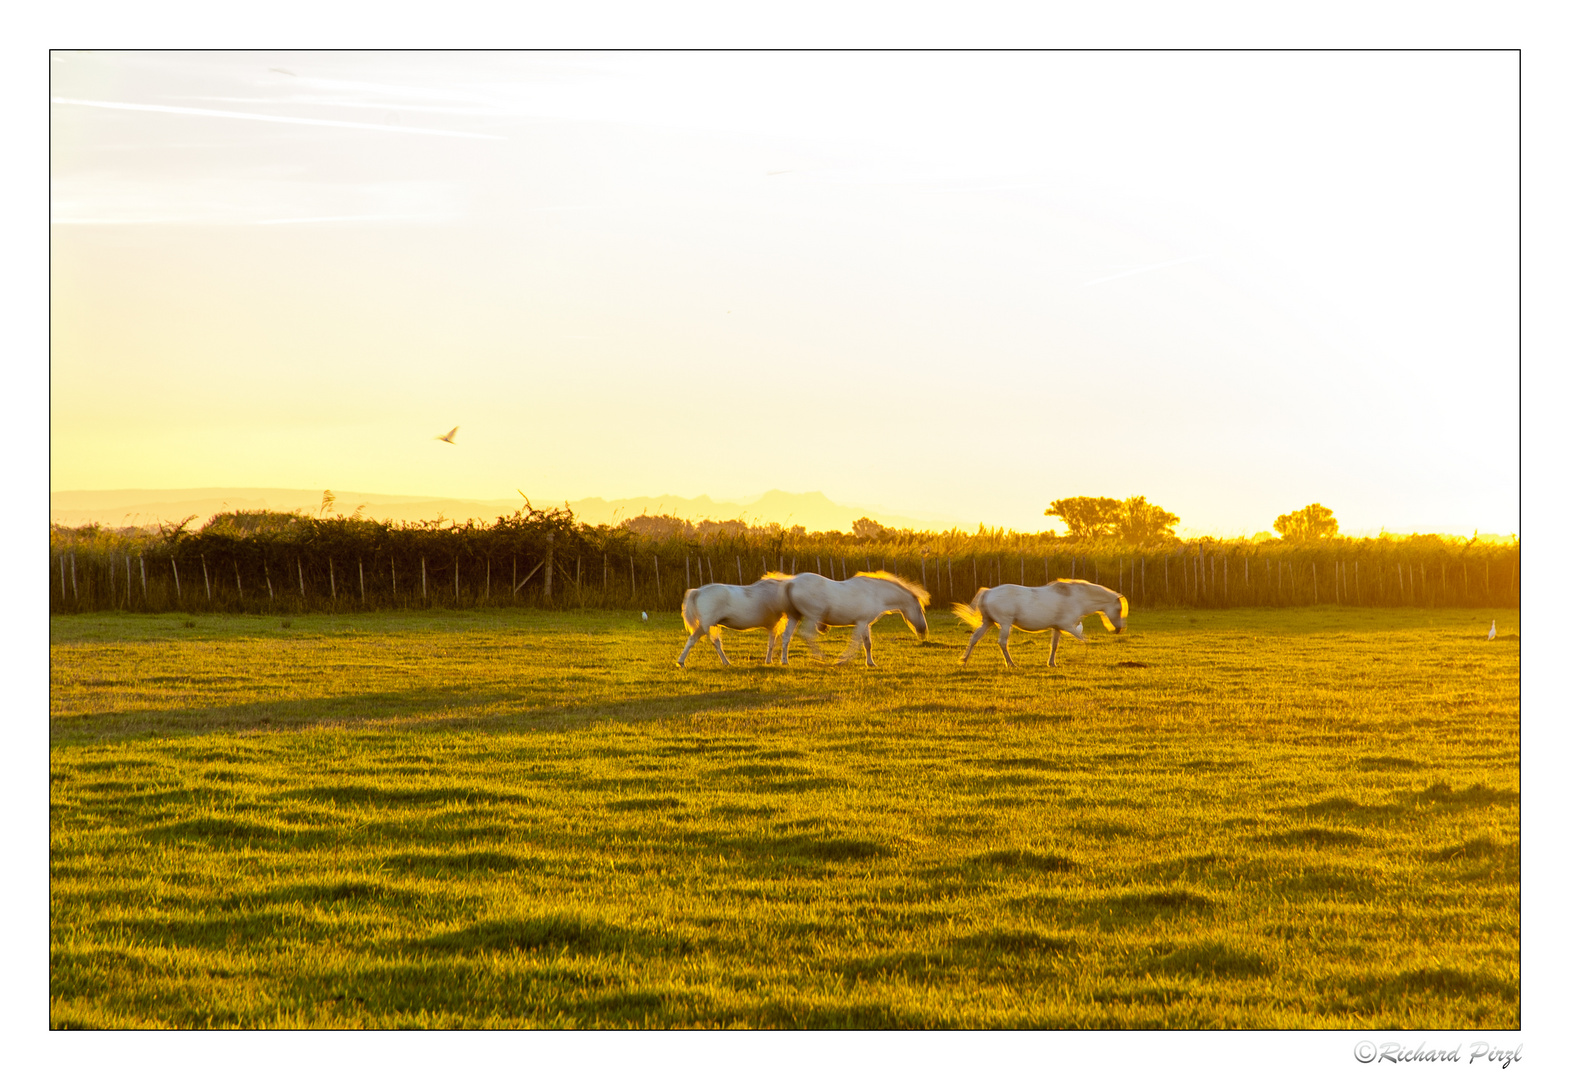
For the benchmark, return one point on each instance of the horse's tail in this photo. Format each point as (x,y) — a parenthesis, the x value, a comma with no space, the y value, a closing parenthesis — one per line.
(791,610)
(971,612)
(689,610)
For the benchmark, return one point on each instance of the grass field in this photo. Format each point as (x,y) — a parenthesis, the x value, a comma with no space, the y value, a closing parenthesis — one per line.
(1245,818)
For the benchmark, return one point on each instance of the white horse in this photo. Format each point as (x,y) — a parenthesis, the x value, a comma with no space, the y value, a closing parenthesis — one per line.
(760,605)
(818,603)
(1060,606)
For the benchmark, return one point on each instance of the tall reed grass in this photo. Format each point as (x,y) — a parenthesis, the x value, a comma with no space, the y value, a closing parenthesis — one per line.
(264,562)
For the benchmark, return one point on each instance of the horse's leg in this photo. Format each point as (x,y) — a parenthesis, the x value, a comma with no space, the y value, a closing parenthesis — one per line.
(855,643)
(866,641)
(790,628)
(1004,627)
(1052,659)
(714,639)
(980,630)
(768,653)
(681,661)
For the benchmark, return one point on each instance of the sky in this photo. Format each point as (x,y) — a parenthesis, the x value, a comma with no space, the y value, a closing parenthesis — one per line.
(956,285)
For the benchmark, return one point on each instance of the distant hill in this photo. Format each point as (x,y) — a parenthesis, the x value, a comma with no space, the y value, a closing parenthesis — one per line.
(813,509)
(149,507)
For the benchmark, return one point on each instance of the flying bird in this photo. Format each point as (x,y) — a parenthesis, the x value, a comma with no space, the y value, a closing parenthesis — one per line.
(1491,623)
(447,438)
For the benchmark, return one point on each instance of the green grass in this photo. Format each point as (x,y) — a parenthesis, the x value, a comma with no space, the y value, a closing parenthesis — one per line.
(1246,818)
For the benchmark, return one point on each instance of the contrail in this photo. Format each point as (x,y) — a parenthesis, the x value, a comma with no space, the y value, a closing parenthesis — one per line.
(187,111)
(1142,269)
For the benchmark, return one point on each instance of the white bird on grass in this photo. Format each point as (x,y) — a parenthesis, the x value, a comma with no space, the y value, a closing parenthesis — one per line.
(1491,629)
(447,438)
(645,616)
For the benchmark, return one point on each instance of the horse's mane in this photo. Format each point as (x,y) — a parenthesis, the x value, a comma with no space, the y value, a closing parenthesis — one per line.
(909,586)
(775,575)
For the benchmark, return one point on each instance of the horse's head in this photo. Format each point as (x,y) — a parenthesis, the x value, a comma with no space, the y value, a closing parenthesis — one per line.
(905,597)
(1114,614)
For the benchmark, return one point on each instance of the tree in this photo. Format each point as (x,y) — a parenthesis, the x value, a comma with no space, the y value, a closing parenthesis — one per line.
(1313,522)
(867,529)
(1087,517)
(1134,519)
(1143,522)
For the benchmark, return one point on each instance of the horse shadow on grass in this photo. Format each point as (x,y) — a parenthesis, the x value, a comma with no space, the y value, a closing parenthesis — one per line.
(445,708)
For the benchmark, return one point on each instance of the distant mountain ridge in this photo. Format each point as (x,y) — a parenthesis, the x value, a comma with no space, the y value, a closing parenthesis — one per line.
(148,506)
(812,509)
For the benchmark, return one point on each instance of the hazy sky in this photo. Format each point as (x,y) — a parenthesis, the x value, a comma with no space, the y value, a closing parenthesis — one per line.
(957,285)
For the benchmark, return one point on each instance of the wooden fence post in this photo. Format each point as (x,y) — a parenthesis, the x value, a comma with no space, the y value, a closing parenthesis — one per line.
(632,576)
(657,575)
(74,593)
(550,563)
(424,594)
(332,580)
(143,560)
(176,568)
(208,585)
(362,581)
(238,588)
(487,578)
(266,573)
(687,562)
(299,572)
(455,560)
(739,580)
